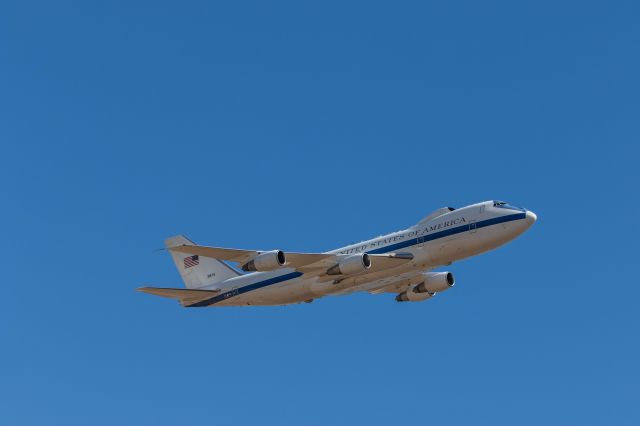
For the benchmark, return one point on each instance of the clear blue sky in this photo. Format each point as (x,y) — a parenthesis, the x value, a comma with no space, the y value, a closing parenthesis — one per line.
(306,127)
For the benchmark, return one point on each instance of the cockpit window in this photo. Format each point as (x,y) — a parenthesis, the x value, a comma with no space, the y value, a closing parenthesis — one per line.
(503,205)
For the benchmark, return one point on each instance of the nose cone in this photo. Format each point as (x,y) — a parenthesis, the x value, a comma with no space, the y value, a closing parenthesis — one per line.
(531,217)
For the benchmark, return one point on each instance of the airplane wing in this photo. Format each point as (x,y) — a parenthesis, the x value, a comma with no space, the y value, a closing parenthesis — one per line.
(294,260)
(307,263)
(379,263)
(397,283)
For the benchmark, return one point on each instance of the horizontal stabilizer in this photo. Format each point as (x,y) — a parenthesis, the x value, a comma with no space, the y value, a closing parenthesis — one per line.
(182,294)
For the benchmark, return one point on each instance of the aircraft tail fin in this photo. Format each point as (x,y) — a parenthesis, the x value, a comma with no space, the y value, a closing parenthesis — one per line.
(198,271)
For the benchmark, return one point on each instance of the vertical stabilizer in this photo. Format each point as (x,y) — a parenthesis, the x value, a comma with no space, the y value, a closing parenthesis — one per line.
(198,271)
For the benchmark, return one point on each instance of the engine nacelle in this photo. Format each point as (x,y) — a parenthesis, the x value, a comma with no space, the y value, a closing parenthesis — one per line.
(351,265)
(435,282)
(267,261)
(412,296)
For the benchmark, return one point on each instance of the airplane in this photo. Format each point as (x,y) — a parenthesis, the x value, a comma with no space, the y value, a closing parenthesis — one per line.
(399,263)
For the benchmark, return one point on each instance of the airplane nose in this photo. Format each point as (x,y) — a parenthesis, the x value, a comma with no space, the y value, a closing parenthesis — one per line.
(531,217)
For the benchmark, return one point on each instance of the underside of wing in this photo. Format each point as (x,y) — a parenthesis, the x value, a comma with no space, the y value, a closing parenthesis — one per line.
(377,264)
(395,284)
(380,262)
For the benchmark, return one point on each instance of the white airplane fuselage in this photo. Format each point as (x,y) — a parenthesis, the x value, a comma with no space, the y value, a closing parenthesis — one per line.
(452,236)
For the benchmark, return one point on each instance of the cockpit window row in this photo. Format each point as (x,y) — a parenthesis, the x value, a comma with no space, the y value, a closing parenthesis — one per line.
(503,205)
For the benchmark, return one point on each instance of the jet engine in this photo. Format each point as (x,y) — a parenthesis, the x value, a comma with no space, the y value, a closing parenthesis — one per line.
(412,296)
(351,265)
(435,282)
(266,261)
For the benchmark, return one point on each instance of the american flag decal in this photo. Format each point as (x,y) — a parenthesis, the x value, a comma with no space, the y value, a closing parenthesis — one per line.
(191,261)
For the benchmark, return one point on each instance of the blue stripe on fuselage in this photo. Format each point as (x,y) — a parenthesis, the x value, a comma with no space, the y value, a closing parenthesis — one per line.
(448,232)
(245,289)
(386,249)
